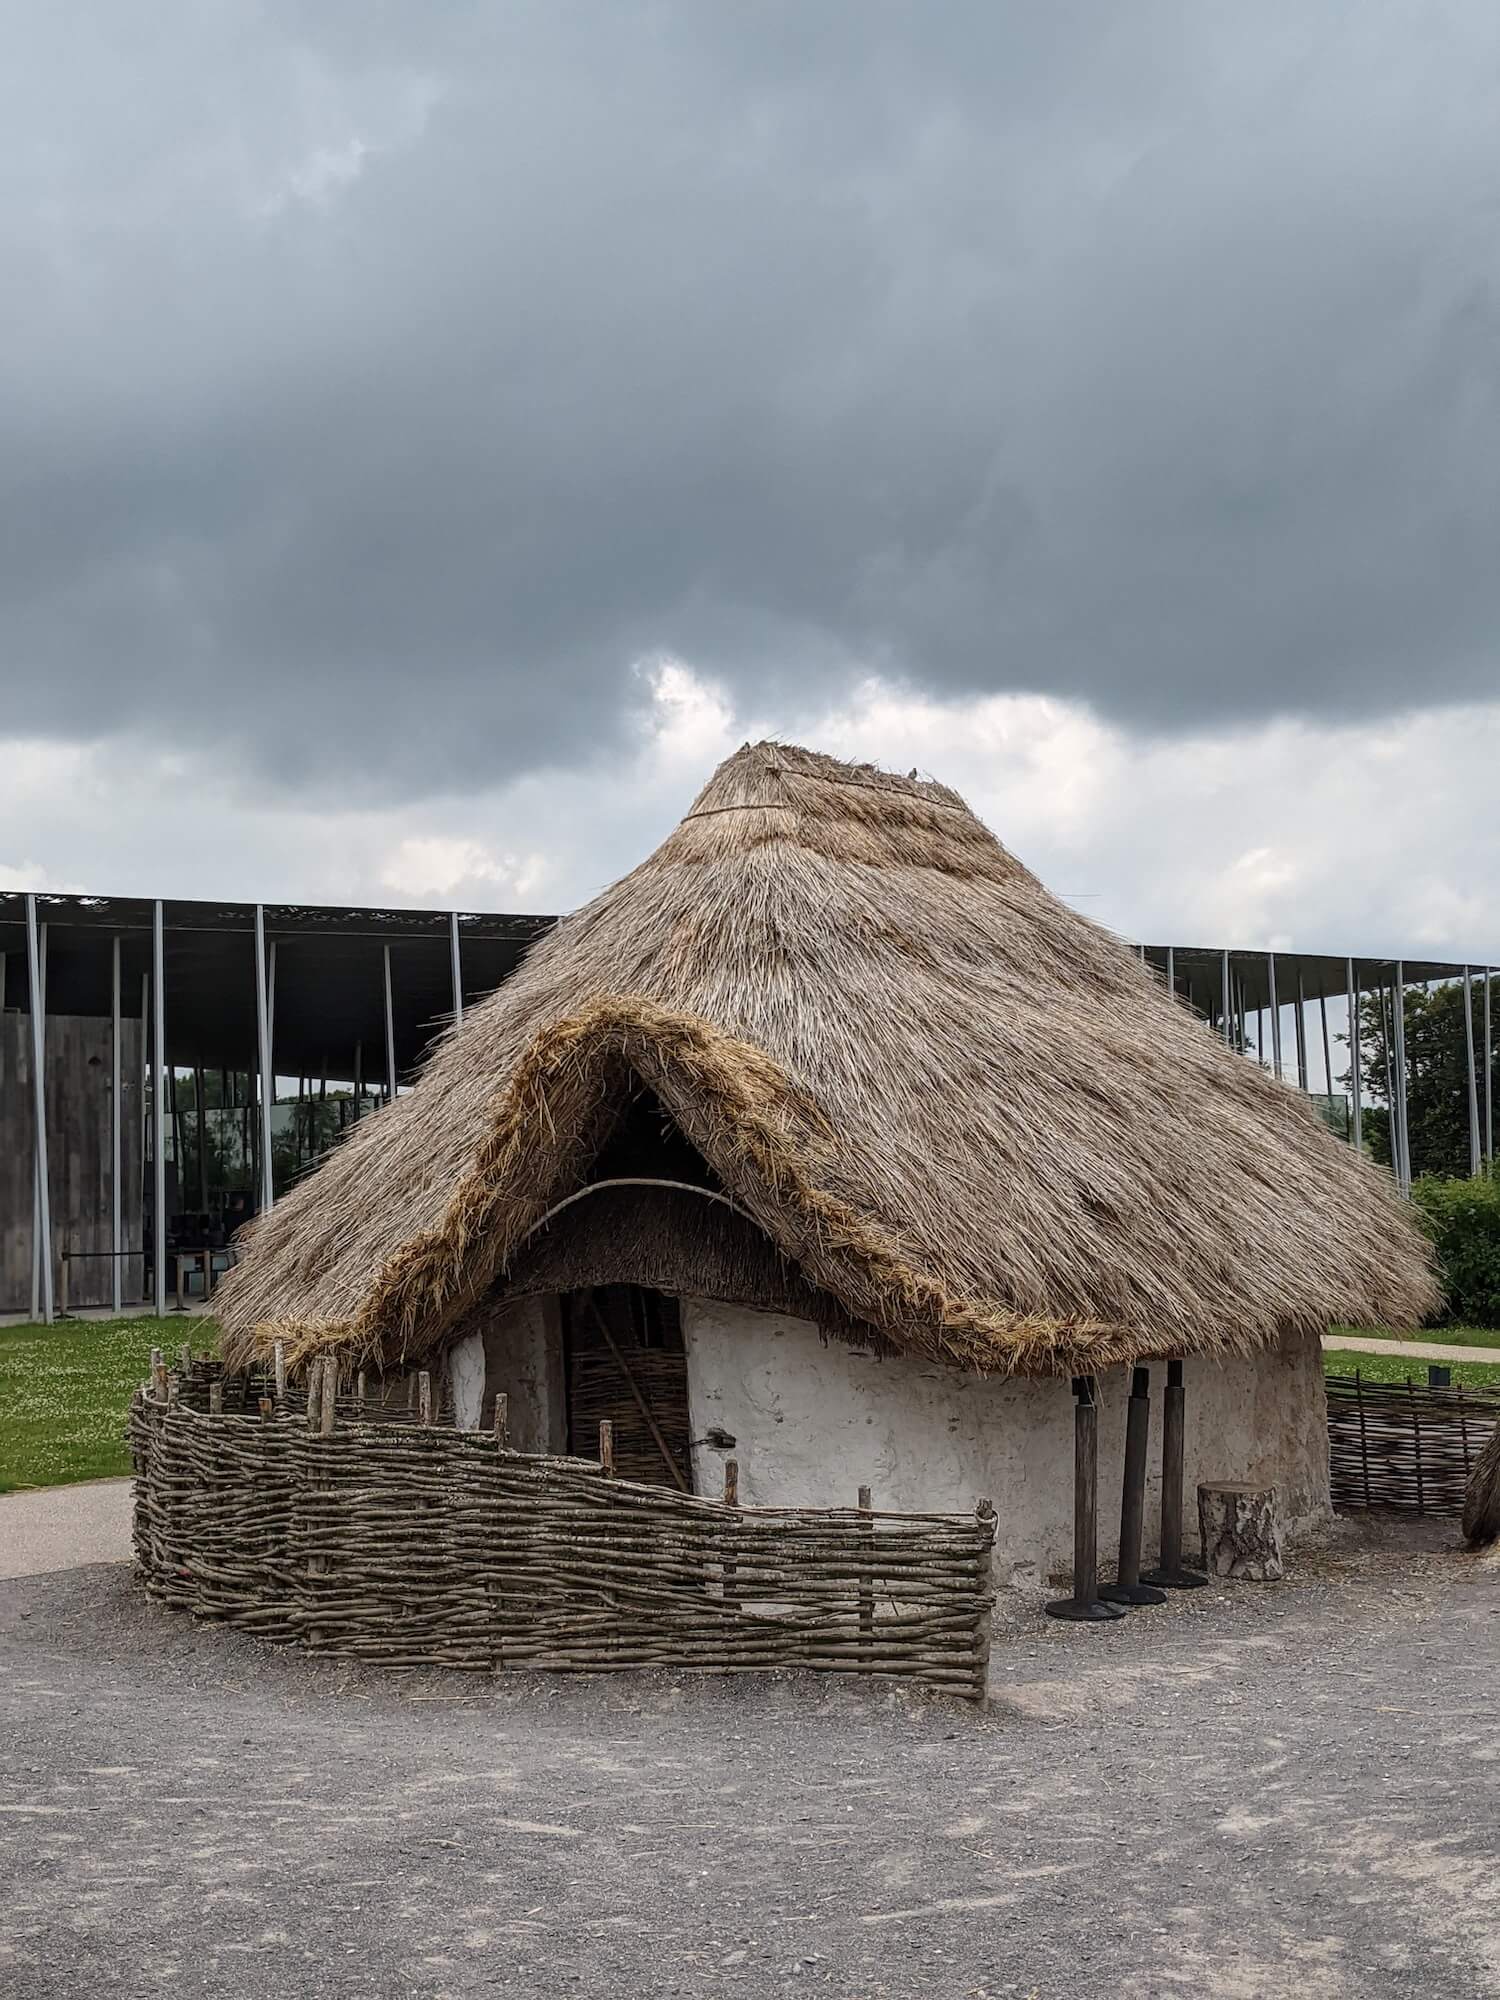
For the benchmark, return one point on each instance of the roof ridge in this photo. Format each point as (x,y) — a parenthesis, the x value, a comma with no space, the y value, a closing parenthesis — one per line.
(797,760)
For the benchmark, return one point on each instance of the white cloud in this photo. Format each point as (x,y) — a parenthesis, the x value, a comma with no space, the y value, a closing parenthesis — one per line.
(1362,838)
(33,876)
(691,723)
(338,128)
(437,868)
(324,173)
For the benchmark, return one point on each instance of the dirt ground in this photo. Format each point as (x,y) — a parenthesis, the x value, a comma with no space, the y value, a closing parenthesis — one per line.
(1253,1792)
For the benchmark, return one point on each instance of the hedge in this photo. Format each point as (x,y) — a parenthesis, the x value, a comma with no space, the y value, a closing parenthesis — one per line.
(1463,1218)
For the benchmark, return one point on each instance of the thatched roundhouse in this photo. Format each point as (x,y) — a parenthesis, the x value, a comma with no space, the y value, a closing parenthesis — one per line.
(829,1139)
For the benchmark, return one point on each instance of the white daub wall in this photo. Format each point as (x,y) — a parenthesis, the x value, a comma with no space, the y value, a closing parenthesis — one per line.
(466,1371)
(814,1421)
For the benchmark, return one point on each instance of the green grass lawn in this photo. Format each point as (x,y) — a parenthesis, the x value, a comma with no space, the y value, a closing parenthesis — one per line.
(1439,1336)
(65,1389)
(1396,1367)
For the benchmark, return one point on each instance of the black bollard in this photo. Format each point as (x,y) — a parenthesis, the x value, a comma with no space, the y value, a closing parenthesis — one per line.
(1085,1605)
(1170,1574)
(1129,1589)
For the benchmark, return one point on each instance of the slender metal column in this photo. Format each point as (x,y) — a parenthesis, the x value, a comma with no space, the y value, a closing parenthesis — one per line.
(1327,1045)
(201,1120)
(1171,972)
(1299,1026)
(1476,1158)
(1355,1084)
(1399,1024)
(145,1081)
(1226,999)
(263,1004)
(116,1139)
(159,1109)
(36,1241)
(37,1238)
(1489,1072)
(41,1225)
(179,1151)
(1387,1044)
(1275,1008)
(390,1034)
(458,967)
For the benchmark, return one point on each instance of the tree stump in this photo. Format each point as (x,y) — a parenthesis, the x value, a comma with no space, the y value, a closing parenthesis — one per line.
(1240,1536)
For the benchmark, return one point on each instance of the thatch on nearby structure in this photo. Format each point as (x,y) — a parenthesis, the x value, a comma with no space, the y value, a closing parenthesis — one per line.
(673,1239)
(958,1113)
(1482,1501)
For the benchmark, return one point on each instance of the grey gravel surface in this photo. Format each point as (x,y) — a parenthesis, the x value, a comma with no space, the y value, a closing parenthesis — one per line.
(65,1527)
(1252,1792)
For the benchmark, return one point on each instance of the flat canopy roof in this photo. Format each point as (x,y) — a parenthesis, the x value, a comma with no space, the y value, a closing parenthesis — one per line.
(330,974)
(1310,975)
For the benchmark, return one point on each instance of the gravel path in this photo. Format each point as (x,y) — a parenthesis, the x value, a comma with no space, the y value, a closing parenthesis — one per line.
(1248,1794)
(65,1527)
(1410,1350)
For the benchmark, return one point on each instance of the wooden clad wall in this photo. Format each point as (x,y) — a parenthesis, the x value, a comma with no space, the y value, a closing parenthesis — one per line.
(78,1147)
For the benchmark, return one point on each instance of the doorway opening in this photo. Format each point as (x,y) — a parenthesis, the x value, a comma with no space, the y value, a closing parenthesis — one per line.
(624,1360)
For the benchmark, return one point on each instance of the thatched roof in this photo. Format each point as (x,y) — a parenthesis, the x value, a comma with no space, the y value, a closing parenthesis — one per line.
(920,1095)
(1481,1521)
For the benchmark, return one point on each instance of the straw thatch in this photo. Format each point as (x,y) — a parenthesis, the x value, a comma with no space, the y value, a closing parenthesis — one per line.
(1482,1501)
(906,1090)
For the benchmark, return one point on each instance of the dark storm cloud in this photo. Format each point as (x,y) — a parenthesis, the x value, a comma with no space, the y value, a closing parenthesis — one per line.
(389,392)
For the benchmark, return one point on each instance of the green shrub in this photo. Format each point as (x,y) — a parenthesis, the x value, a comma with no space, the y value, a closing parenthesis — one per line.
(1463,1219)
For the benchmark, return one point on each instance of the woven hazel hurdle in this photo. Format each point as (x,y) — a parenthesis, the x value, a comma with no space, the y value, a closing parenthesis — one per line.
(412,1544)
(1411,1446)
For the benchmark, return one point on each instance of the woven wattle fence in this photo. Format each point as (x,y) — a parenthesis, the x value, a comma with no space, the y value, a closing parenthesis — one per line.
(414,1545)
(1410,1445)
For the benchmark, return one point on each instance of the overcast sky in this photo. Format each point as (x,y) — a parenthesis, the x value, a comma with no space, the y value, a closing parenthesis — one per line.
(432,434)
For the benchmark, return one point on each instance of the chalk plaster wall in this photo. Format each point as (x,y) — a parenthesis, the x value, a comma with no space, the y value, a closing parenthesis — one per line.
(814,1422)
(466,1369)
(522,1349)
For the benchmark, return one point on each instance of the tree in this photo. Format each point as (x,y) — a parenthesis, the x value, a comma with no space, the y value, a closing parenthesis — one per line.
(1437,1085)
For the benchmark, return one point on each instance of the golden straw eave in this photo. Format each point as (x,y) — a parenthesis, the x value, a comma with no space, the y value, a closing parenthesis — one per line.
(768,1145)
(305,1341)
(301,1339)
(972,1341)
